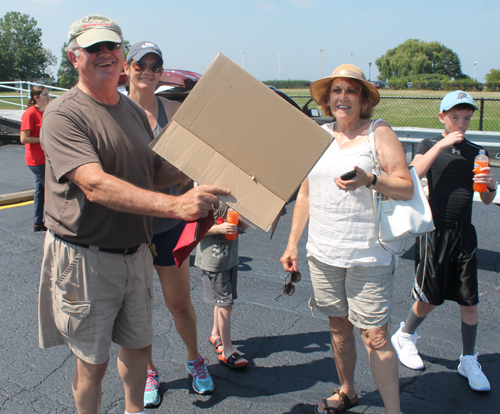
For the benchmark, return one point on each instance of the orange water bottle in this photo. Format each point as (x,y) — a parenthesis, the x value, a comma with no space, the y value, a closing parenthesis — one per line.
(480,161)
(233,218)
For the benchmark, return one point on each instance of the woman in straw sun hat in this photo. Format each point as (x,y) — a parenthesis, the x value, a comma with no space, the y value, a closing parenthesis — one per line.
(352,274)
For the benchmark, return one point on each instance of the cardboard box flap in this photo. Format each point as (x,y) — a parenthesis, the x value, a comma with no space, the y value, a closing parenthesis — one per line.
(180,147)
(234,131)
(230,103)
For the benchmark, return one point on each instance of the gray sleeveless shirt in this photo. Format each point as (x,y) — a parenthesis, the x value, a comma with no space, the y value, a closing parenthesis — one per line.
(161,225)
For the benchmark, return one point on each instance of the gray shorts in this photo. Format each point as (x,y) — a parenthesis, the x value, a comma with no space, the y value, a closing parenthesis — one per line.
(364,294)
(89,298)
(220,287)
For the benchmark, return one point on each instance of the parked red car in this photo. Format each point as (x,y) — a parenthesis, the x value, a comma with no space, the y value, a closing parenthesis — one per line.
(176,84)
(379,84)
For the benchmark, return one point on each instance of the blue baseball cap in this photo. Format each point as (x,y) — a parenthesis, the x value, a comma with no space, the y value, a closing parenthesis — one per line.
(141,49)
(456,98)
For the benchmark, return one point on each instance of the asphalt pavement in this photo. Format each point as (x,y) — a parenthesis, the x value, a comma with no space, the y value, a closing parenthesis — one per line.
(290,352)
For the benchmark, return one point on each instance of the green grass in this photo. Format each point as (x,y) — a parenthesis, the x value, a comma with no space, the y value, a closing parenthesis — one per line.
(419,113)
(13,98)
(407,93)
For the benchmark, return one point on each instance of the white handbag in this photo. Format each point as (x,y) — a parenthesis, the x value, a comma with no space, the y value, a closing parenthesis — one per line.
(397,221)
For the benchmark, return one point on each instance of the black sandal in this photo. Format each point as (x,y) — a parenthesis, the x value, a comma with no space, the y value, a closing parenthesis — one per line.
(345,403)
(231,360)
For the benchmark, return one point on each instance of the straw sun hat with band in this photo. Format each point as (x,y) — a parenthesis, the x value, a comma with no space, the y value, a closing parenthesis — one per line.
(320,89)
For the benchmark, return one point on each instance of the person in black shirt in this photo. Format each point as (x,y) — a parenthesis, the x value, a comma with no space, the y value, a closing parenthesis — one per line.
(445,259)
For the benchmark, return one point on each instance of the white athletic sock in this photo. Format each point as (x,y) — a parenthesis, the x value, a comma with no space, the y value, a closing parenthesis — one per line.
(142,412)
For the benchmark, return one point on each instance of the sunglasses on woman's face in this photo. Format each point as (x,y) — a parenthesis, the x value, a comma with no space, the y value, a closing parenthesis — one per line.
(289,289)
(141,65)
(97,47)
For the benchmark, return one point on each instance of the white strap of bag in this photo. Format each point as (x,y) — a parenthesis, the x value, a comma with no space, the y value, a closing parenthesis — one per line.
(377,167)
(371,137)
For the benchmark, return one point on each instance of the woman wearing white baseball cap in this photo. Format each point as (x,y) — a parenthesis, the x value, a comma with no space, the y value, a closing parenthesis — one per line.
(144,67)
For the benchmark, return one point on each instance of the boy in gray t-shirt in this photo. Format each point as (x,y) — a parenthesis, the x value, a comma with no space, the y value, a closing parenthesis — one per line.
(218,258)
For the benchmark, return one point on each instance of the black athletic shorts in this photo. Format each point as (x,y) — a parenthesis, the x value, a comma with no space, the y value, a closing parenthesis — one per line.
(446,266)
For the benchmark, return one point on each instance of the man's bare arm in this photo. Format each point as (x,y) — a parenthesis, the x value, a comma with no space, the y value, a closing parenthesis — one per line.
(114,193)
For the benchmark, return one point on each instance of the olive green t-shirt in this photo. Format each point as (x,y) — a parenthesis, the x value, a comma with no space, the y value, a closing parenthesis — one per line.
(77,130)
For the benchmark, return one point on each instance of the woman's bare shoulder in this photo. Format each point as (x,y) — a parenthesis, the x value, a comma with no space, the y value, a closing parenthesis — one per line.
(383,129)
(171,107)
(381,124)
(167,103)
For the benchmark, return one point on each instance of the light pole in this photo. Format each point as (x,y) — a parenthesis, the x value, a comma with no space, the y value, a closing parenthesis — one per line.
(320,63)
(369,71)
(475,71)
(279,59)
(351,57)
(243,59)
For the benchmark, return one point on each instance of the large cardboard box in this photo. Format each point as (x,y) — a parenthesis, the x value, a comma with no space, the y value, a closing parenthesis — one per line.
(235,132)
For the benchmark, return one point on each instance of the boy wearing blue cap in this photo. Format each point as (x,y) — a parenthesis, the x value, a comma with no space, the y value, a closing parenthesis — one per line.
(445,259)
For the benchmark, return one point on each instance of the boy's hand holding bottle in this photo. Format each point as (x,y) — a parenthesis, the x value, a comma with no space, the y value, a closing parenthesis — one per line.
(223,227)
(482,174)
(232,218)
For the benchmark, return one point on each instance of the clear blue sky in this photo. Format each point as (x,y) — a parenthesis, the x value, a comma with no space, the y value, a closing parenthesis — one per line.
(192,32)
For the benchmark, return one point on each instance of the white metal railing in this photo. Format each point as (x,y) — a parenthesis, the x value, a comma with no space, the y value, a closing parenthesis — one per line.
(412,143)
(24,89)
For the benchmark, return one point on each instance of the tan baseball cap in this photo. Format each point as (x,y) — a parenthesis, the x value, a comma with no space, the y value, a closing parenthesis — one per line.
(94,28)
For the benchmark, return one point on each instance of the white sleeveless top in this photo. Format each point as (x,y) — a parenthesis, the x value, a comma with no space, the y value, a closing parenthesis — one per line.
(342,224)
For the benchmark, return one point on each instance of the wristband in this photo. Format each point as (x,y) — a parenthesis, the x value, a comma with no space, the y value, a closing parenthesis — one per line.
(374,181)
(495,189)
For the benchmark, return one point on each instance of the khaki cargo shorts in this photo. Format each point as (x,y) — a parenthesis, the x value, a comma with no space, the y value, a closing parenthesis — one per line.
(364,294)
(88,299)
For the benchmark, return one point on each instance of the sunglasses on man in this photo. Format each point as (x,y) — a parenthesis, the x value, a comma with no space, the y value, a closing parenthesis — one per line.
(140,66)
(97,47)
(289,288)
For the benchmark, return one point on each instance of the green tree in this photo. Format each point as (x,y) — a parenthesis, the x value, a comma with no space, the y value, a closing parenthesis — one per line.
(126,48)
(415,57)
(22,55)
(67,75)
(493,76)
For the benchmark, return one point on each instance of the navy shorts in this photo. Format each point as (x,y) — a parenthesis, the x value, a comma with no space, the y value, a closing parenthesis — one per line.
(165,243)
(446,266)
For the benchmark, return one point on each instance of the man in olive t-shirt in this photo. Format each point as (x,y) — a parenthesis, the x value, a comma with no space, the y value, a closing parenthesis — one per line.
(96,276)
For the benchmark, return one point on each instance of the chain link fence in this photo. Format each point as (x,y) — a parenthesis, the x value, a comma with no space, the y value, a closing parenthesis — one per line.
(423,112)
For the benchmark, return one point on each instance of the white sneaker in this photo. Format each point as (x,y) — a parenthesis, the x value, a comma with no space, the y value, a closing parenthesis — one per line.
(405,346)
(471,369)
